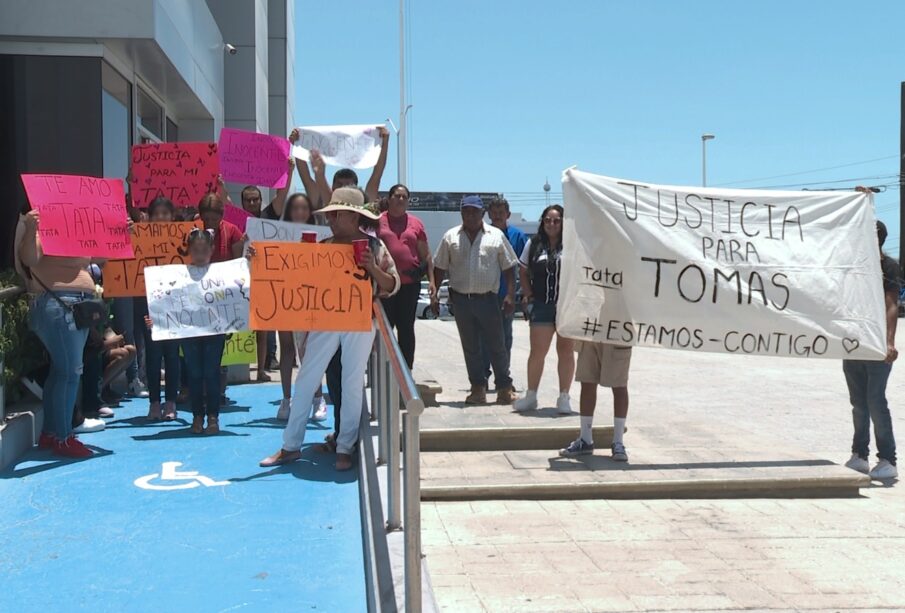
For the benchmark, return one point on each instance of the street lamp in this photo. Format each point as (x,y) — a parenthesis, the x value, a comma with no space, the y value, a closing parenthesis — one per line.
(704,139)
(547,189)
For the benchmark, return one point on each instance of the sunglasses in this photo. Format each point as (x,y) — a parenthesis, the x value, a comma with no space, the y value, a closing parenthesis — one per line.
(552,220)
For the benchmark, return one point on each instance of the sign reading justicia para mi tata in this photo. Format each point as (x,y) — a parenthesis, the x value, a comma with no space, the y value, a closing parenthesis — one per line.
(756,272)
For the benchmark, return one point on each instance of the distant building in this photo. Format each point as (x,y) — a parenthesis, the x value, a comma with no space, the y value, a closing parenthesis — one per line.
(81,82)
(439,211)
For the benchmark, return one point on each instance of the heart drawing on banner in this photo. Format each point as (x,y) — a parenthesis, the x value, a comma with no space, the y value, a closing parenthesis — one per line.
(850,344)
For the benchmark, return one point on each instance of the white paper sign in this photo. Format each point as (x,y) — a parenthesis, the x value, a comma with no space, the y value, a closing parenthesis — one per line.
(753,272)
(344,146)
(282,231)
(188,301)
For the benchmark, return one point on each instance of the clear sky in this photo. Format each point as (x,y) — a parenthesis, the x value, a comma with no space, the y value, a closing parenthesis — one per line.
(509,92)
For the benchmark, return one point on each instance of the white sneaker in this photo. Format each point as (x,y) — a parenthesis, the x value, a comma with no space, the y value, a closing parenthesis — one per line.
(90,425)
(105,412)
(137,389)
(884,470)
(525,403)
(858,463)
(564,405)
(320,409)
(283,411)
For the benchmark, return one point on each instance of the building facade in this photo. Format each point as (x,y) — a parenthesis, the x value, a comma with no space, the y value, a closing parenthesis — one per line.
(81,82)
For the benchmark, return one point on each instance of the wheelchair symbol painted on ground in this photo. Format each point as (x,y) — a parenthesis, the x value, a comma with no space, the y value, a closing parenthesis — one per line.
(179,480)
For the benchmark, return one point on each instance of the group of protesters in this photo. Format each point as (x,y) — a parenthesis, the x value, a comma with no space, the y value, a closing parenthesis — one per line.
(482,262)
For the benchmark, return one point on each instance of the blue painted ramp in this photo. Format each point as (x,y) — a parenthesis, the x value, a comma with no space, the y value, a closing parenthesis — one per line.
(82,535)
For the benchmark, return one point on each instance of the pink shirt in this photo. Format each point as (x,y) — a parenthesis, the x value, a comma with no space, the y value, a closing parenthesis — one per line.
(401,236)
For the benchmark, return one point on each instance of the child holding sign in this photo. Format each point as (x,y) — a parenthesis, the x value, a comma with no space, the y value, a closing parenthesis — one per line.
(345,213)
(161,210)
(203,353)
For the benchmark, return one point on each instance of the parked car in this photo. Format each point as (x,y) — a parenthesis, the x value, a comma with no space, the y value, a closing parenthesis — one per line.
(424,310)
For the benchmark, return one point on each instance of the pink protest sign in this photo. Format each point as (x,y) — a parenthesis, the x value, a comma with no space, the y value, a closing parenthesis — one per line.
(254,158)
(182,172)
(236,215)
(80,216)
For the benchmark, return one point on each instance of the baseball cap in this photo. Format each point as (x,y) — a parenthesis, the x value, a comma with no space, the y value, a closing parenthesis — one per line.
(472,201)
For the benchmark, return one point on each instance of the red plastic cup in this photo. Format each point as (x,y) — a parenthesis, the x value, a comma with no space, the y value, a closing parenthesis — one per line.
(309,237)
(358,248)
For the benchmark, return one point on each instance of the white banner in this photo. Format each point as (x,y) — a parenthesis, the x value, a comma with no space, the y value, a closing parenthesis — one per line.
(757,272)
(344,146)
(187,301)
(282,231)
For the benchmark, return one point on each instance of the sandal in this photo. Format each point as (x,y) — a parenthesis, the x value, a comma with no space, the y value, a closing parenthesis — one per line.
(154,412)
(198,424)
(213,425)
(280,458)
(328,446)
(263,377)
(343,461)
(169,411)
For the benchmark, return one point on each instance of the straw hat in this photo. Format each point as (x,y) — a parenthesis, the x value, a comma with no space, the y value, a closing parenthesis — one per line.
(350,199)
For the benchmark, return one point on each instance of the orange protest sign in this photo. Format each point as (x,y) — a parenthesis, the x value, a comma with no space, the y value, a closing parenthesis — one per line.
(155,244)
(308,286)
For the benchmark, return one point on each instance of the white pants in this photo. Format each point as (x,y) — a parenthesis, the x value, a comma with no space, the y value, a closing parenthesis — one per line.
(319,350)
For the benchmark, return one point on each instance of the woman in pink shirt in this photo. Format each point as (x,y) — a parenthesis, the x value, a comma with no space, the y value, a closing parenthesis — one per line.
(405,238)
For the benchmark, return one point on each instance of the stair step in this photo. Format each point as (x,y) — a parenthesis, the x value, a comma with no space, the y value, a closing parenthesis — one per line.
(541,475)
(499,438)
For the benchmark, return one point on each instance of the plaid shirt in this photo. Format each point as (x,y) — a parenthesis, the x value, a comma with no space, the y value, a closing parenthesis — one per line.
(475,267)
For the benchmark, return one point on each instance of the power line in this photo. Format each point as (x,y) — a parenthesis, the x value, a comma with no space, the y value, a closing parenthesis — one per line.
(805,172)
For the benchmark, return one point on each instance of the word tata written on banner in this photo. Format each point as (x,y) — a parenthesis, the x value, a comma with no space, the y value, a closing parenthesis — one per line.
(348,146)
(756,272)
(253,158)
(182,172)
(309,286)
(154,244)
(80,216)
(187,301)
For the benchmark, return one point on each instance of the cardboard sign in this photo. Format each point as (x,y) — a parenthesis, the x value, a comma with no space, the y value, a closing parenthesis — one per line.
(283,231)
(345,146)
(182,172)
(309,286)
(155,244)
(745,272)
(188,301)
(253,158)
(236,215)
(80,216)
(240,348)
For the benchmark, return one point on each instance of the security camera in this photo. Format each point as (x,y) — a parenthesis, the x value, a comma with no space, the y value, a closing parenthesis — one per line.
(230,49)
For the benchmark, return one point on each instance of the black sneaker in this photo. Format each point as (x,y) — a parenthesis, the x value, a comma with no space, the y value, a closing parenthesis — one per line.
(271,363)
(576,448)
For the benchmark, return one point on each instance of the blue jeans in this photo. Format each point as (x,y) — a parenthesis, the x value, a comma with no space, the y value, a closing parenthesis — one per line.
(507,341)
(867,392)
(202,359)
(480,323)
(65,344)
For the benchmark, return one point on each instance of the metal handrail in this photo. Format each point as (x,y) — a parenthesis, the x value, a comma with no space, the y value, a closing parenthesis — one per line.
(392,381)
(6,293)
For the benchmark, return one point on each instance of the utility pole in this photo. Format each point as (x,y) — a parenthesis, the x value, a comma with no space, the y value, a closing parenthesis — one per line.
(403,109)
(704,139)
(901,174)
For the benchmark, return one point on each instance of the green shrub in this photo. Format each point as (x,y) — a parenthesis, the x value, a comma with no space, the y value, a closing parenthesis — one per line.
(22,352)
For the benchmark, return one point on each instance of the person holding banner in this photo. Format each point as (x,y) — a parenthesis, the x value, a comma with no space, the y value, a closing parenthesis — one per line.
(228,238)
(202,353)
(161,210)
(56,284)
(346,177)
(298,210)
(475,255)
(404,236)
(866,381)
(539,271)
(344,212)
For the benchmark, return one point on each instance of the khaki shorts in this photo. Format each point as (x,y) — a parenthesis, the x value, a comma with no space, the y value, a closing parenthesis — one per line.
(606,365)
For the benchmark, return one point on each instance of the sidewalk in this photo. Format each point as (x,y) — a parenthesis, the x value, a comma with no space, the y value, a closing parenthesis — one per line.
(673,554)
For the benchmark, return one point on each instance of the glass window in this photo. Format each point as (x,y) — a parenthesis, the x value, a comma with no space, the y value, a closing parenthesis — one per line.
(150,114)
(172,131)
(117,124)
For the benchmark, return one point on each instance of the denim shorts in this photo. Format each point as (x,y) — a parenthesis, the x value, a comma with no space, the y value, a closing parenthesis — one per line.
(543,314)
